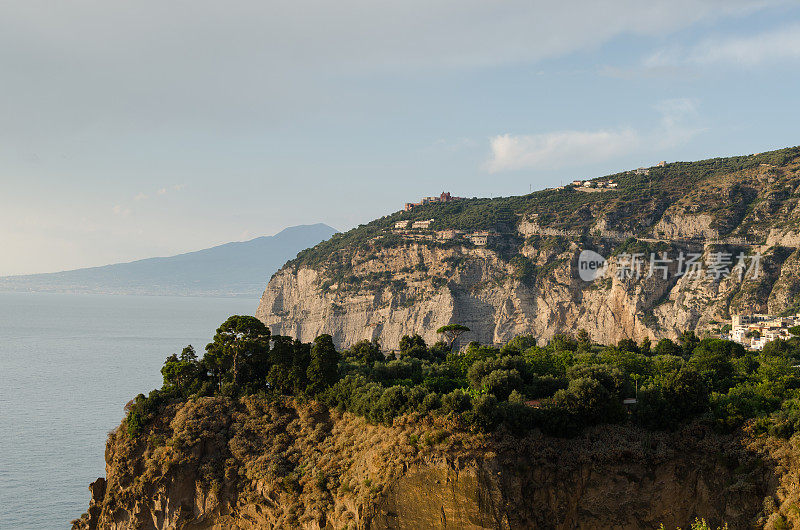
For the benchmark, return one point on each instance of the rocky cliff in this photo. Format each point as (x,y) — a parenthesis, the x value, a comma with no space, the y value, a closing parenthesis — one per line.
(380,282)
(256,463)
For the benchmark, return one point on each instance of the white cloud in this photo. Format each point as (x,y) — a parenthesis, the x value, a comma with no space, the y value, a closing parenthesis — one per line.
(558,149)
(561,149)
(178,187)
(140,197)
(778,44)
(121,210)
(248,62)
(162,191)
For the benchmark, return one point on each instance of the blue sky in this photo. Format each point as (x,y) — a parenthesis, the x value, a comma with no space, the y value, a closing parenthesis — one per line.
(151,128)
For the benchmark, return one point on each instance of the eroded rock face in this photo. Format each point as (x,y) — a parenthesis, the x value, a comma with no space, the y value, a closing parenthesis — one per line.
(262,464)
(411,286)
(477,288)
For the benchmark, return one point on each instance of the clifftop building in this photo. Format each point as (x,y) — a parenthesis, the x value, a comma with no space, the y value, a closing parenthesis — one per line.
(444,197)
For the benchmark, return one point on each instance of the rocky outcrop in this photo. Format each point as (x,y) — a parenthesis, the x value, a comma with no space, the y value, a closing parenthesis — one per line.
(410,285)
(477,288)
(216,463)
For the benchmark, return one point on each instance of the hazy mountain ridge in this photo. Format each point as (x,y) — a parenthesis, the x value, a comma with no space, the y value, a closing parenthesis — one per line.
(231,269)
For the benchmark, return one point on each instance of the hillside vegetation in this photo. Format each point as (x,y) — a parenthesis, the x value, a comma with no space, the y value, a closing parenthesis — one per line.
(381,282)
(265,430)
(635,206)
(559,388)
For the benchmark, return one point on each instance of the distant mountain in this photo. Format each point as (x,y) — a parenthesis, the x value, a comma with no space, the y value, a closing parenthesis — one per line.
(232,269)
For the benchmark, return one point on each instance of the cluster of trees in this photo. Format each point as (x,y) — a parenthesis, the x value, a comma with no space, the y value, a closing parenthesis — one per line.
(559,387)
(243,358)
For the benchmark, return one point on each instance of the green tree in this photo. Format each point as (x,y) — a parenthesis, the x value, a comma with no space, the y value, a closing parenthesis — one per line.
(282,374)
(628,345)
(413,346)
(645,346)
(180,372)
(502,382)
(562,342)
(777,348)
(485,413)
(438,352)
(675,398)
(323,369)
(711,359)
(524,270)
(456,401)
(451,332)
(584,342)
(365,351)
(588,400)
(392,403)
(667,347)
(301,359)
(688,341)
(241,344)
(519,345)
(686,392)
(607,375)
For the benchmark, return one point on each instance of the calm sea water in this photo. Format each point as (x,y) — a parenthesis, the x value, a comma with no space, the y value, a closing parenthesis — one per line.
(68,364)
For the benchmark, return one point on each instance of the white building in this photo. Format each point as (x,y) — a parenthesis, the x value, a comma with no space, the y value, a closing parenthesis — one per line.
(479,238)
(754,331)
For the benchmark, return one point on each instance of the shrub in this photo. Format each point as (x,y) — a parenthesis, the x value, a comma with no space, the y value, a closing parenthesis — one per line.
(502,382)
(392,403)
(667,347)
(430,403)
(455,402)
(485,414)
(589,401)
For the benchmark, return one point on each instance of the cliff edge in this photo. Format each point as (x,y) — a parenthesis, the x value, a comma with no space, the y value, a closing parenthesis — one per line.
(510,266)
(277,463)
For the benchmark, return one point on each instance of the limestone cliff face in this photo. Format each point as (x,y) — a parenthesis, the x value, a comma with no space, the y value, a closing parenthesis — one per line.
(477,288)
(216,463)
(384,291)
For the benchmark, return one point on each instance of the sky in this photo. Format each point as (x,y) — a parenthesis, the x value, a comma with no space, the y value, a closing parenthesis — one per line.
(149,128)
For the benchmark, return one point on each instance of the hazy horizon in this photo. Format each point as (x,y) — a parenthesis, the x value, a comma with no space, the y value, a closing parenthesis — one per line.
(194,251)
(149,129)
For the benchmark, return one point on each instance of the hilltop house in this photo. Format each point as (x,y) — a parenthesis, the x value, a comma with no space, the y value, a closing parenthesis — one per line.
(444,197)
(594,185)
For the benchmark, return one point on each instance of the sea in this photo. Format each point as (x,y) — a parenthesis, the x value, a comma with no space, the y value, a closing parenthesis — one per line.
(68,365)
